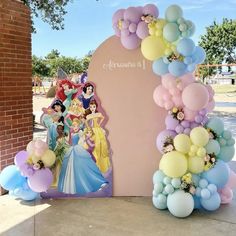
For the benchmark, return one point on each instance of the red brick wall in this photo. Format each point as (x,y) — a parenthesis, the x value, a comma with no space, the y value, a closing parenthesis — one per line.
(15,80)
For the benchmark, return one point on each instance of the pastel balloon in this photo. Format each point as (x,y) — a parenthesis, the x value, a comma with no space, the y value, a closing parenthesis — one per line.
(20,158)
(171,122)
(142,30)
(186,47)
(199,136)
(211,204)
(173,164)
(30,147)
(216,124)
(189,114)
(195,164)
(173,13)
(118,15)
(11,178)
(160,202)
(177,68)
(150,9)
(226,153)
(158,177)
(159,67)
(39,144)
(48,158)
(41,180)
(232,180)
(131,41)
(195,96)
(171,32)
(162,137)
(180,203)
(182,143)
(205,193)
(152,47)
(218,175)
(199,55)
(132,28)
(132,14)
(213,147)
(226,195)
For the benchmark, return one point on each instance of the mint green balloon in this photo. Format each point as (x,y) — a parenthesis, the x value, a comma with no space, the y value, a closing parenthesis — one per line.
(158,177)
(171,32)
(173,13)
(226,153)
(213,147)
(159,204)
(216,124)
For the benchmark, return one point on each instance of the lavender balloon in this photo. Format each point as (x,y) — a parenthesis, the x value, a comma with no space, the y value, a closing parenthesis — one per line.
(41,180)
(150,9)
(142,30)
(20,158)
(131,41)
(179,129)
(162,136)
(185,124)
(132,14)
(118,15)
(171,122)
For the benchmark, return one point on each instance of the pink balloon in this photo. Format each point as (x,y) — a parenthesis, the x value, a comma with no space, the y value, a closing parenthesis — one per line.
(132,28)
(168,105)
(168,81)
(30,147)
(226,195)
(142,30)
(167,97)
(177,101)
(39,144)
(189,115)
(186,79)
(232,180)
(159,94)
(20,158)
(150,9)
(131,41)
(118,15)
(39,152)
(195,96)
(174,92)
(41,180)
(132,14)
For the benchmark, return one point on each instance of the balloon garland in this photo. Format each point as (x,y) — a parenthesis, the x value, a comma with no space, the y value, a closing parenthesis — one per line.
(31,174)
(193,171)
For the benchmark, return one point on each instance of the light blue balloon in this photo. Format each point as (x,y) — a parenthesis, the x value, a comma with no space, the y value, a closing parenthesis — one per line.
(169,188)
(191,67)
(212,188)
(203,183)
(173,13)
(199,55)
(166,60)
(181,20)
(11,178)
(211,204)
(177,68)
(230,142)
(159,67)
(171,32)
(197,203)
(195,179)
(158,187)
(186,47)
(158,177)
(158,204)
(218,175)
(167,180)
(213,146)
(191,28)
(222,142)
(205,193)
(226,153)
(198,192)
(227,134)
(216,124)
(187,60)
(176,182)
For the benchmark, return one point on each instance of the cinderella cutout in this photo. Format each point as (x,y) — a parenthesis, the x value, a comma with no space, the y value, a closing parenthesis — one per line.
(76,134)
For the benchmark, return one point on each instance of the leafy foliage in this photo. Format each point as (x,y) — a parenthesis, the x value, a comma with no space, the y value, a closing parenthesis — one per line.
(219,42)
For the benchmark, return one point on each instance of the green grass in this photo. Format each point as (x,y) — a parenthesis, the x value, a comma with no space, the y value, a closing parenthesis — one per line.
(224,88)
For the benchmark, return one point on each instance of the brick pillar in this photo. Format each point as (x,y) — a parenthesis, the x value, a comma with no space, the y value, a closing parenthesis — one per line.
(16,122)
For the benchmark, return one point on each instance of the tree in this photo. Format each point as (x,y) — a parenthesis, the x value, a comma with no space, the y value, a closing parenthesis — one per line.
(40,67)
(50,11)
(53,54)
(219,42)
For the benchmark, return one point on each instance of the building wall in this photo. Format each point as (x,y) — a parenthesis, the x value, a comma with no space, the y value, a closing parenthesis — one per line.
(16,122)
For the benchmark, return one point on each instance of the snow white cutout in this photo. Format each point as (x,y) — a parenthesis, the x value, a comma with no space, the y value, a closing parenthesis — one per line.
(87,95)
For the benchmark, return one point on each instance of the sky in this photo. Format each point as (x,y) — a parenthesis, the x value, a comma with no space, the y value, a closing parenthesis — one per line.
(88,23)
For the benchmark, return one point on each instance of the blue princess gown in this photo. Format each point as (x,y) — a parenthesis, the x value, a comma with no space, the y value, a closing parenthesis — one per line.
(79,174)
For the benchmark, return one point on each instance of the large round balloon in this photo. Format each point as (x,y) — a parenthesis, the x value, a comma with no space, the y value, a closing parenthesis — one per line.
(182,143)
(218,175)
(173,13)
(132,14)
(41,180)
(118,15)
(173,164)
(180,203)
(195,96)
(213,146)
(20,158)
(153,47)
(150,9)
(195,164)
(142,30)
(11,178)
(171,32)
(186,47)
(159,67)
(199,136)
(48,158)
(216,124)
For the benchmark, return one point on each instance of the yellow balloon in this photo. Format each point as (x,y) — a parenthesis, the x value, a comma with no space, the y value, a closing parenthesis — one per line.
(199,136)
(48,158)
(153,47)
(195,164)
(182,143)
(174,164)
(201,152)
(160,23)
(34,158)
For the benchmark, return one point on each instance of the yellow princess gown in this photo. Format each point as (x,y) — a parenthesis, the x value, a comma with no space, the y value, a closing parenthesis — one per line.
(101,151)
